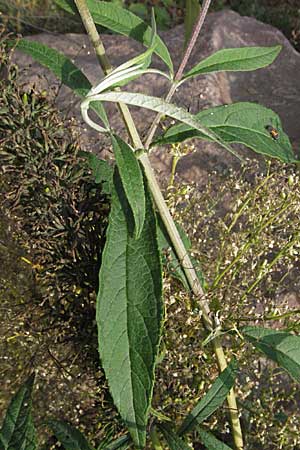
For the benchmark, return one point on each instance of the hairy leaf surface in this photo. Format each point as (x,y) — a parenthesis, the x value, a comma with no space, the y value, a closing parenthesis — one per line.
(129,311)
(154,104)
(245,123)
(132,180)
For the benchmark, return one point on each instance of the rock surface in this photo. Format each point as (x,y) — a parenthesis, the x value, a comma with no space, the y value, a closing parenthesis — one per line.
(277,86)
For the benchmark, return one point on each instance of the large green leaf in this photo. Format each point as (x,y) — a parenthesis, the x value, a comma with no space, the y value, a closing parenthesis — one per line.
(171,261)
(245,123)
(280,346)
(63,68)
(132,180)
(129,311)
(236,59)
(154,104)
(17,428)
(211,442)
(174,441)
(121,21)
(68,436)
(212,399)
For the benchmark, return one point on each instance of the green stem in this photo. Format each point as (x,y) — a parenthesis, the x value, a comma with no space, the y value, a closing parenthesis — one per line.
(155,439)
(156,192)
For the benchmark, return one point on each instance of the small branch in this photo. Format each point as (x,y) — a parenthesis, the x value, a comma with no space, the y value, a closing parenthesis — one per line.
(187,54)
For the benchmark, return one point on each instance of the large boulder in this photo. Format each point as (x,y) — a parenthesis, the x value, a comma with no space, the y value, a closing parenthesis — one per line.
(277,86)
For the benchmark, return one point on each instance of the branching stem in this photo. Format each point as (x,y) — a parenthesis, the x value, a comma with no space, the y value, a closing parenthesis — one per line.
(156,192)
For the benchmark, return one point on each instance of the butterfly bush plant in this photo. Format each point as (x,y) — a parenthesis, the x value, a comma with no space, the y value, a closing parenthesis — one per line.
(130,308)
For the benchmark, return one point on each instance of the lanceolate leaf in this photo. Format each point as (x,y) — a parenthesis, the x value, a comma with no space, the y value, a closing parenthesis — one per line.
(132,181)
(280,346)
(31,437)
(211,442)
(121,21)
(174,441)
(119,444)
(129,312)
(63,68)
(245,123)
(69,436)
(171,261)
(236,59)
(17,427)
(212,399)
(192,8)
(155,104)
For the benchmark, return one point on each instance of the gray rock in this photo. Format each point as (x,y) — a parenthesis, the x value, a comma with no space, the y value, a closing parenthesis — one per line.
(277,86)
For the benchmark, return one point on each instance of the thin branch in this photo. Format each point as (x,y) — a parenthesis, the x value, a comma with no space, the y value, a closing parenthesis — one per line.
(187,54)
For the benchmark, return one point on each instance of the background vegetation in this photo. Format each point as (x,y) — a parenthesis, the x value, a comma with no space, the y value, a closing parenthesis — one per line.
(54,221)
(34,16)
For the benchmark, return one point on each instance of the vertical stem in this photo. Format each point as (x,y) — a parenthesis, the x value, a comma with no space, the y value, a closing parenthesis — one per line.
(157,195)
(231,398)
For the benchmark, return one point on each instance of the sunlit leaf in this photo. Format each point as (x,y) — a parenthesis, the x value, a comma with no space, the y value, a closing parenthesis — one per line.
(154,104)
(245,123)
(121,21)
(236,59)
(63,68)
